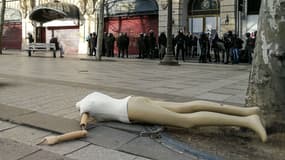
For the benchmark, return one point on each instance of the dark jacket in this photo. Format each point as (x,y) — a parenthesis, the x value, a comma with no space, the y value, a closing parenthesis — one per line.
(120,42)
(152,41)
(162,40)
(180,40)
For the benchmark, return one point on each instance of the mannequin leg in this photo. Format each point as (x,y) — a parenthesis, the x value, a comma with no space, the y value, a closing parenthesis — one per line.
(195,106)
(142,110)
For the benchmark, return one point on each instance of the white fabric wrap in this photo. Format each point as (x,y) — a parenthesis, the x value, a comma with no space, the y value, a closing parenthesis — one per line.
(104,107)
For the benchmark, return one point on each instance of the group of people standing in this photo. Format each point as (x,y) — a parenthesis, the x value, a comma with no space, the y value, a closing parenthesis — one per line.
(231,47)
(226,49)
(146,44)
(58,44)
(123,43)
(92,44)
(108,44)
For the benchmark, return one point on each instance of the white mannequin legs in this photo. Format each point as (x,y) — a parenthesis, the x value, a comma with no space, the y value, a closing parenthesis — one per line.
(196,113)
(196,106)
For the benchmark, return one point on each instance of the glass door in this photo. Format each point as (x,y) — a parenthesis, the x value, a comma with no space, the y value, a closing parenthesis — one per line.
(209,24)
(196,25)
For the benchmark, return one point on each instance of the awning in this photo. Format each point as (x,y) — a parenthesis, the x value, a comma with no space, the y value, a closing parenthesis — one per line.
(54,10)
(130,7)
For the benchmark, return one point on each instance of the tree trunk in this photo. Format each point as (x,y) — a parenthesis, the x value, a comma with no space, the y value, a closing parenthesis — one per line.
(100,31)
(3,7)
(267,78)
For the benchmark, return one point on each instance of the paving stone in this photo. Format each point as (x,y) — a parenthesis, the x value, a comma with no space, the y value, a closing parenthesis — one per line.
(109,137)
(147,147)
(44,155)
(141,158)
(11,150)
(185,148)
(8,112)
(238,99)
(99,153)
(48,122)
(213,96)
(6,125)
(73,115)
(228,91)
(24,134)
(52,108)
(237,87)
(66,111)
(123,126)
(65,147)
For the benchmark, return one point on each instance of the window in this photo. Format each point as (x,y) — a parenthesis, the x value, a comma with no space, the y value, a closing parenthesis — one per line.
(198,7)
(196,25)
(253,7)
(204,16)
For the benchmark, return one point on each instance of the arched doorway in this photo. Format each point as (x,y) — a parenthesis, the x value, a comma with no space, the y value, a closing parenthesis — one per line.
(204,16)
(132,17)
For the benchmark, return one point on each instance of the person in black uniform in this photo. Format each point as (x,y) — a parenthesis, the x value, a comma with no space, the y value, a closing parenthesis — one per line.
(162,43)
(152,43)
(146,45)
(126,43)
(180,42)
(94,40)
(140,44)
(120,44)
(30,38)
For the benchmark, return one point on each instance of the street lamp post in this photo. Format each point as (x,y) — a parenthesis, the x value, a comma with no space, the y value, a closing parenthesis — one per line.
(169,58)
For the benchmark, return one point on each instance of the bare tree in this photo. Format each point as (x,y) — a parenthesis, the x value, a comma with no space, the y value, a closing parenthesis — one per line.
(3,7)
(102,6)
(100,30)
(267,78)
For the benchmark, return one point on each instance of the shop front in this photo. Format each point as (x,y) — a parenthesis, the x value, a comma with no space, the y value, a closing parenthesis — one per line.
(132,17)
(204,16)
(12,29)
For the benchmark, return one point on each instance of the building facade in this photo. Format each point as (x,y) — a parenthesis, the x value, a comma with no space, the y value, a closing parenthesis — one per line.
(130,16)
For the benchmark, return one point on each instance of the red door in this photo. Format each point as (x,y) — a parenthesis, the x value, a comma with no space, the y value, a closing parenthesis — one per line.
(41,35)
(12,35)
(133,26)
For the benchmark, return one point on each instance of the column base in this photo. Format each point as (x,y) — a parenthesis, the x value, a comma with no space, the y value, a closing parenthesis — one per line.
(169,60)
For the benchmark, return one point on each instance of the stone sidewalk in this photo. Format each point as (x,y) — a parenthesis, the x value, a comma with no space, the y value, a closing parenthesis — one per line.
(11,150)
(50,87)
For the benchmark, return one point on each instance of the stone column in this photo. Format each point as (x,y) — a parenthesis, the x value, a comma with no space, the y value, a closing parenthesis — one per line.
(176,16)
(26,22)
(83,33)
(244,18)
(227,9)
(162,16)
(176,13)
